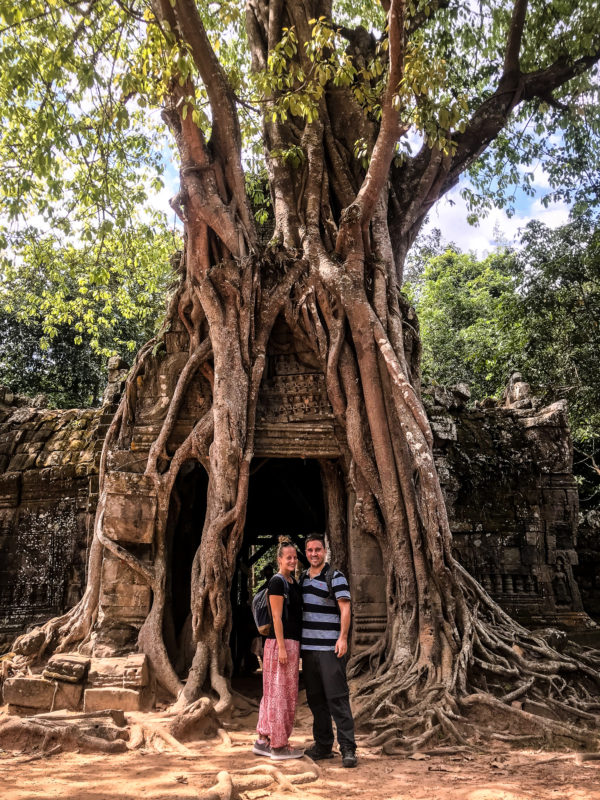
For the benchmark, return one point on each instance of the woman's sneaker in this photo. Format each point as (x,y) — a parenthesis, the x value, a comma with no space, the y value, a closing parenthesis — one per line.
(283,753)
(261,748)
(349,757)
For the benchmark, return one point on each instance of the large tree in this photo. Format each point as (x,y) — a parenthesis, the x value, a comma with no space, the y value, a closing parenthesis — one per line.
(363,128)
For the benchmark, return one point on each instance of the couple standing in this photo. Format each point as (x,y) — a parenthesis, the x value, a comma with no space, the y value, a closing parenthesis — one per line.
(312,615)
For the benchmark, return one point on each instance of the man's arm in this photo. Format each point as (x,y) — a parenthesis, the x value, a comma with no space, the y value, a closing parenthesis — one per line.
(341,646)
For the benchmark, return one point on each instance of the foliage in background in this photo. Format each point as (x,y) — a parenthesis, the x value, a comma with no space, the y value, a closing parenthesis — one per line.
(69,375)
(65,309)
(534,309)
(83,146)
(559,300)
(558,291)
(468,326)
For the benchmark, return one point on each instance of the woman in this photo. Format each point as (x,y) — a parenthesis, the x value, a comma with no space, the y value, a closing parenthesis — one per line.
(280,661)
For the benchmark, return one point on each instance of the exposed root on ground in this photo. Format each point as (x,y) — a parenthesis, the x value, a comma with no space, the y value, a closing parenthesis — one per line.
(85,735)
(113,732)
(507,683)
(229,785)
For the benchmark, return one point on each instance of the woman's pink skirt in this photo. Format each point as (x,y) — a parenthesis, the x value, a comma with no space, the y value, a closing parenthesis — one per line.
(280,692)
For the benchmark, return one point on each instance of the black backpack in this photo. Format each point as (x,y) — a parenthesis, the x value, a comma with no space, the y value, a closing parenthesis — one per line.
(261,610)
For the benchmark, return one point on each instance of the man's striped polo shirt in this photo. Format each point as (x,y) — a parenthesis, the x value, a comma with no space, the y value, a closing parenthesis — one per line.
(320,612)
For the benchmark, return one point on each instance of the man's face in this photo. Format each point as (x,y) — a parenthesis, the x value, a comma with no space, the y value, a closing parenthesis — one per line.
(315,553)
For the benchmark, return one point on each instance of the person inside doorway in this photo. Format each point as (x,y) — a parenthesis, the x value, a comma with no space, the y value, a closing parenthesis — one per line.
(325,627)
(281,661)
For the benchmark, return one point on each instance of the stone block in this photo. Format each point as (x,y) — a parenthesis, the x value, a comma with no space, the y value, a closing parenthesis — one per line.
(444,429)
(126,601)
(10,489)
(115,570)
(39,694)
(111,697)
(531,537)
(129,672)
(68,696)
(70,668)
(30,692)
(130,508)
(511,557)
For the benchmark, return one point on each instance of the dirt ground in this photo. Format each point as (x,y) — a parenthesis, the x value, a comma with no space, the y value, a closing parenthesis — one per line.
(496,774)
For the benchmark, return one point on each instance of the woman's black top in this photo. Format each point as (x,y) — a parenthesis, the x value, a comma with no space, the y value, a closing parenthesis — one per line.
(292,607)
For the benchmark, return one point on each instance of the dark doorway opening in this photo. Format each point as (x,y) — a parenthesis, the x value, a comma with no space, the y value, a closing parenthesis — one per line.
(186,519)
(285,498)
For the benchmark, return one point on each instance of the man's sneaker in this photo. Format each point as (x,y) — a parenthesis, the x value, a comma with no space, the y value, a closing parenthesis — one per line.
(349,758)
(261,748)
(283,753)
(318,752)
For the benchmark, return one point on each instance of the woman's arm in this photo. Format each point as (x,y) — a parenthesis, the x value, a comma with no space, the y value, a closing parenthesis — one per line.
(276,601)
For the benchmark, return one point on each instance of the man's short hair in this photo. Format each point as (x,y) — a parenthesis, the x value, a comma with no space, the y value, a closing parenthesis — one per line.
(314,537)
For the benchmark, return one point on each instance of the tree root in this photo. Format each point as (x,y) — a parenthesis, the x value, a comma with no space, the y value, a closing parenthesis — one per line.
(108,731)
(152,733)
(64,734)
(44,754)
(200,712)
(229,785)
(551,693)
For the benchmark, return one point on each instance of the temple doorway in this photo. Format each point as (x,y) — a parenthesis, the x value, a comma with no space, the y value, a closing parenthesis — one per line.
(285,498)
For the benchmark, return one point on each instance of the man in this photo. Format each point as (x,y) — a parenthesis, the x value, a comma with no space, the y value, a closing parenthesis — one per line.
(324,644)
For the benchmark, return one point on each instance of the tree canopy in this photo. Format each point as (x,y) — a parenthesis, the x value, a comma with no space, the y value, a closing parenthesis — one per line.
(532,309)
(66,306)
(81,83)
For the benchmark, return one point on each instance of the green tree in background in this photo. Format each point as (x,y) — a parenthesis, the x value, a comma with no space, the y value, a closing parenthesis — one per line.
(534,308)
(65,308)
(558,307)
(469,330)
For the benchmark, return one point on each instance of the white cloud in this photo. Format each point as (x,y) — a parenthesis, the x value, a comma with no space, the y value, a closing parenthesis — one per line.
(450,216)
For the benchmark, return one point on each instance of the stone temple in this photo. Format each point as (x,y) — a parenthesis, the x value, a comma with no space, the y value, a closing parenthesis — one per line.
(505,468)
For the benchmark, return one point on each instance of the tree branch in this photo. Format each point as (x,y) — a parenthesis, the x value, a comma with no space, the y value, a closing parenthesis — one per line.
(512,70)
(425,178)
(390,129)
(226,136)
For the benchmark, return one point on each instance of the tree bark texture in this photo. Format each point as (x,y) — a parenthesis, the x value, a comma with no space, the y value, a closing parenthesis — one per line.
(332,269)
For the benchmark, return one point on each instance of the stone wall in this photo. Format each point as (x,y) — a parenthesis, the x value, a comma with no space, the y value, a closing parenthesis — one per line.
(587,571)
(505,470)
(48,489)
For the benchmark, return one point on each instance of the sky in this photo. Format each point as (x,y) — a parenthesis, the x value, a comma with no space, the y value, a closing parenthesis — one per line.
(450,216)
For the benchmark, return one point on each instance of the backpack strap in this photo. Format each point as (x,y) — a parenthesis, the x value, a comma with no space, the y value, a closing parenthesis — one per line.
(329,581)
(286,586)
(286,596)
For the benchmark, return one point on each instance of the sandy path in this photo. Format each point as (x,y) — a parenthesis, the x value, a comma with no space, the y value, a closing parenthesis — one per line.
(494,775)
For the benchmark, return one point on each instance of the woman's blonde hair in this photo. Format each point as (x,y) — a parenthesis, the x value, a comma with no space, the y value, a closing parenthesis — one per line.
(283,543)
